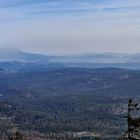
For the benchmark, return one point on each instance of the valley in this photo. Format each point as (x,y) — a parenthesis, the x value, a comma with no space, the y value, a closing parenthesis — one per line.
(68,101)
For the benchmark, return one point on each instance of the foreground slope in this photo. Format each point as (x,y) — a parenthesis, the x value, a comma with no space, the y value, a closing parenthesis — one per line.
(68,99)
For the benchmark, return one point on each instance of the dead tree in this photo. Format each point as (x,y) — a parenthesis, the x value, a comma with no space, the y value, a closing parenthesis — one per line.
(133,121)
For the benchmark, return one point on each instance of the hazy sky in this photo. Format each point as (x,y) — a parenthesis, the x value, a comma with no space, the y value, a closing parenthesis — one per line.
(70,26)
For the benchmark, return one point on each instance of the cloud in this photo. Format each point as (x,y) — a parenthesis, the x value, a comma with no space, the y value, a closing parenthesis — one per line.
(33,9)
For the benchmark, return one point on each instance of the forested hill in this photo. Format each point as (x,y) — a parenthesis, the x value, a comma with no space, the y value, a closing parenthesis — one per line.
(110,81)
(68,99)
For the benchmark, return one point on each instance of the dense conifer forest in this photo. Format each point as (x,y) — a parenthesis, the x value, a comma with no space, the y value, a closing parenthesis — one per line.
(68,103)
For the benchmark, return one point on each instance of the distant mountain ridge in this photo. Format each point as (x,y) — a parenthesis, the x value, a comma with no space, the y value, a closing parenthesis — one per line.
(88,60)
(21,56)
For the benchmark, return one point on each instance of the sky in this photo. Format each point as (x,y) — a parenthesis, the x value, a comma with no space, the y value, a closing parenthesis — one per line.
(61,27)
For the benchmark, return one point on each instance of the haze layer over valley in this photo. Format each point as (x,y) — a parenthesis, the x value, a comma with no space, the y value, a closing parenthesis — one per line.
(90,60)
